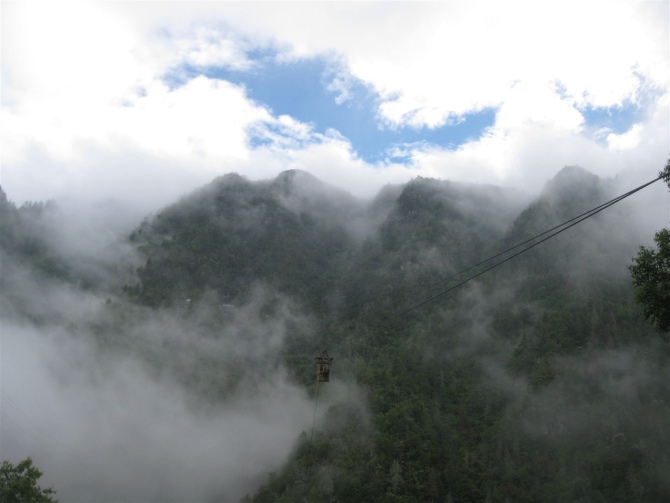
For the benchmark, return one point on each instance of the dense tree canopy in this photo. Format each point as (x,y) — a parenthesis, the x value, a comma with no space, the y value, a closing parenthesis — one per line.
(18,484)
(651,277)
(538,381)
(439,429)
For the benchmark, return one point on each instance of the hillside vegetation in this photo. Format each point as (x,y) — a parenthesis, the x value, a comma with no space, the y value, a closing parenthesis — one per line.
(536,381)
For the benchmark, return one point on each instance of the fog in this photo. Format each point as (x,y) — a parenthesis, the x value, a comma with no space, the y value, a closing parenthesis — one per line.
(118,402)
(106,425)
(602,399)
(105,429)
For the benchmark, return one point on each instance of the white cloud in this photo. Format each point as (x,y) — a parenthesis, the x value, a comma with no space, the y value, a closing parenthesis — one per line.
(523,149)
(85,107)
(151,149)
(463,59)
(627,140)
(209,47)
(330,159)
(525,104)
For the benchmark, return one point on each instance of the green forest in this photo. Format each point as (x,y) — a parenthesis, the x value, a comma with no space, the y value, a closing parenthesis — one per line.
(540,380)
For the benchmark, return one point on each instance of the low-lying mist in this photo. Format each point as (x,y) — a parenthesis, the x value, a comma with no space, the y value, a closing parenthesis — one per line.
(118,402)
(104,428)
(203,395)
(115,410)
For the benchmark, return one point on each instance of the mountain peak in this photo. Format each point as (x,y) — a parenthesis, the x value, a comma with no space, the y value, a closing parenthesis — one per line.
(571,176)
(291,175)
(295,180)
(573,185)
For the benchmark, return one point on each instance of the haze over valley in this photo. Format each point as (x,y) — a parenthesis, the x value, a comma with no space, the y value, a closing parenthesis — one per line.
(174,359)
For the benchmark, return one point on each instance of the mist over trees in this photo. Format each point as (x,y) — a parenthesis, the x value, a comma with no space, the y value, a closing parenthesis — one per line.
(186,350)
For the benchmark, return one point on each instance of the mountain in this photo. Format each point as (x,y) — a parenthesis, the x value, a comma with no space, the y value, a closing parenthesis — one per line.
(536,380)
(24,238)
(290,233)
(310,240)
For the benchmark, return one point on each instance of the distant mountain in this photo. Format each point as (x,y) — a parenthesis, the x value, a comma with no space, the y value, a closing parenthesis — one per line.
(307,238)
(24,238)
(535,381)
(289,233)
(449,423)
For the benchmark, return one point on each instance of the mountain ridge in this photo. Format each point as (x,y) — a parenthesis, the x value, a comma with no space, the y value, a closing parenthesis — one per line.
(535,381)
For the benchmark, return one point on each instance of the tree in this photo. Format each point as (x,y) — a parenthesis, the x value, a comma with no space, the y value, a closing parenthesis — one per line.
(651,275)
(18,484)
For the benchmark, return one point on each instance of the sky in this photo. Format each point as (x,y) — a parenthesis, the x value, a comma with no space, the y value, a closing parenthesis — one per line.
(143,102)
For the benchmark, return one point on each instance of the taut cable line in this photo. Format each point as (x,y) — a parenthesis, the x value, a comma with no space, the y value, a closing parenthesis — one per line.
(550,233)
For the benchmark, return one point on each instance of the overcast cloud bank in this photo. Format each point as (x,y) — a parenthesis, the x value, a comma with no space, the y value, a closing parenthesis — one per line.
(132,108)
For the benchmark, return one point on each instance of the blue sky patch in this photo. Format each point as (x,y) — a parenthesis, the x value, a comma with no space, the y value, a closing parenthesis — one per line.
(300,89)
(617,119)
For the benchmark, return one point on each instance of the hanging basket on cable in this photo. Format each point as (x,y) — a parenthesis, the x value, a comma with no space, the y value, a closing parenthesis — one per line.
(323,364)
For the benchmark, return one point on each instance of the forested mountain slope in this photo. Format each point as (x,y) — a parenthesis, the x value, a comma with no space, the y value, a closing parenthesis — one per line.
(22,234)
(536,382)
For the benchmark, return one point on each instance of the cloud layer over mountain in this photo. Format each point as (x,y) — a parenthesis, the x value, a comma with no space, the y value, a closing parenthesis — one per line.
(146,102)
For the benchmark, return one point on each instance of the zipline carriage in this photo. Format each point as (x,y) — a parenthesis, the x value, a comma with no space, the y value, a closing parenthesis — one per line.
(323,364)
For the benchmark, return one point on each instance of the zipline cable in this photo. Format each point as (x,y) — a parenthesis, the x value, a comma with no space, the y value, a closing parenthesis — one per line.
(582,217)
(558,229)
(597,208)
(563,227)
